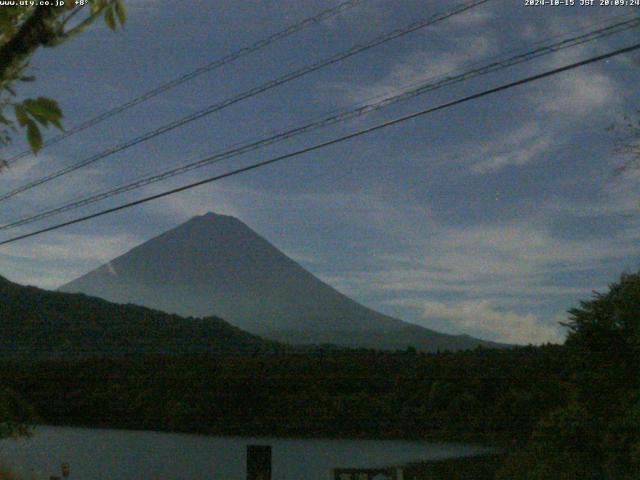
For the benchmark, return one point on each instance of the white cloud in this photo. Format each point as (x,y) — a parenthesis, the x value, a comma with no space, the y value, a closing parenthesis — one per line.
(418,67)
(579,93)
(526,144)
(617,195)
(482,316)
(489,268)
(501,259)
(71,247)
(50,194)
(22,169)
(473,18)
(55,259)
(179,208)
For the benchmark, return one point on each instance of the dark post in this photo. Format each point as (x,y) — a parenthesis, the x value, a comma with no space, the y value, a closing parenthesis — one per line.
(258,462)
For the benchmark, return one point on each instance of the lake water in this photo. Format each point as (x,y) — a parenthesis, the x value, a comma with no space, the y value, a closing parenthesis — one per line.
(140,455)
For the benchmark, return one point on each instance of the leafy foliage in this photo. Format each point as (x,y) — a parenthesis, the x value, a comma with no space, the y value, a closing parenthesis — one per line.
(25,28)
(482,467)
(34,112)
(16,415)
(607,328)
(596,436)
(352,393)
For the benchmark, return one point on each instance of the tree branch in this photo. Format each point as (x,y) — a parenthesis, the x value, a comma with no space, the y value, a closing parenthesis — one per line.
(38,30)
(80,27)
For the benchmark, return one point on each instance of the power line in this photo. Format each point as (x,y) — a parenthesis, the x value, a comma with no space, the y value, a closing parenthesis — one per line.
(448,80)
(247,94)
(231,57)
(334,141)
(420,89)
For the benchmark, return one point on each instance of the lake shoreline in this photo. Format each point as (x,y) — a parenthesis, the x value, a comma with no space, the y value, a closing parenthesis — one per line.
(130,455)
(481,441)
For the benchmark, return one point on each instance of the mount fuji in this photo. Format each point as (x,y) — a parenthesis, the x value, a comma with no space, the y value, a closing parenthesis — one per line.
(216,265)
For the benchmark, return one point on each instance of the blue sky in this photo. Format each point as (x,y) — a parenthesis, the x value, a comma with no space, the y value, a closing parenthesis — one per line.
(491,218)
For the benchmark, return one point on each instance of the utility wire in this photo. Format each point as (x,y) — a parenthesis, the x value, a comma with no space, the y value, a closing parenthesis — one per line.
(420,89)
(231,57)
(334,141)
(247,94)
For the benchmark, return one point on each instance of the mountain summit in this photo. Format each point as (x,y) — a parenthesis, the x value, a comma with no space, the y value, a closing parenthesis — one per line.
(216,265)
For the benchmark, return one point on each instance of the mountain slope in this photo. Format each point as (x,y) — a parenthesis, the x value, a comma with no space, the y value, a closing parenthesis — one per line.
(37,324)
(216,265)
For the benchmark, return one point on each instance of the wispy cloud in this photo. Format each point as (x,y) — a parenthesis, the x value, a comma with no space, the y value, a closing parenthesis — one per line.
(481,316)
(579,94)
(417,67)
(526,144)
(586,90)
(417,227)
(59,258)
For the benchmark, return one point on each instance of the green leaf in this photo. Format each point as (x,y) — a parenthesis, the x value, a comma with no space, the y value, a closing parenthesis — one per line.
(40,118)
(110,19)
(44,110)
(57,124)
(51,105)
(7,22)
(43,107)
(34,136)
(96,6)
(121,11)
(21,115)
(44,121)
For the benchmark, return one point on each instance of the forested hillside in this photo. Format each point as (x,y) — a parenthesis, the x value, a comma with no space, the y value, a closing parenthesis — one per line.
(489,393)
(562,411)
(37,323)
